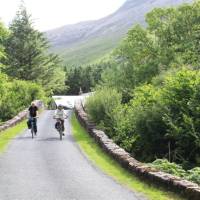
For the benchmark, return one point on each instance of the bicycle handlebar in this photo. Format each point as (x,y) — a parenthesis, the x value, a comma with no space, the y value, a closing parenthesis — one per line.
(60,117)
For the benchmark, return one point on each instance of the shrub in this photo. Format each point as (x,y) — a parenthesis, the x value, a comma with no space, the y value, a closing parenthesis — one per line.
(194,175)
(177,170)
(180,96)
(165,120)
(100,108)
(171,168)
(133,123)
(159,122)
(16,95)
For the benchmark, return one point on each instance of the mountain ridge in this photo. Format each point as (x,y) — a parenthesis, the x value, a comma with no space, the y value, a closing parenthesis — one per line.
(77,41)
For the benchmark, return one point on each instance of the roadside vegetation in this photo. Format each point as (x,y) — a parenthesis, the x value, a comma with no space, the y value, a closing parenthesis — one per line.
(147,101)
(96,155)
(27,70)
(9,134)
(83,77)
(177,170)
(16,95)
(146,94)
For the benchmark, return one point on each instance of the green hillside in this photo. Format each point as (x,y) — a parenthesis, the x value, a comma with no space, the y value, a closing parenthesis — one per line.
(87,42)
(89,51)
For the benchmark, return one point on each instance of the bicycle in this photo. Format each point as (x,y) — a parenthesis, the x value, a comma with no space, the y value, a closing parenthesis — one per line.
(59,127)
(33,126)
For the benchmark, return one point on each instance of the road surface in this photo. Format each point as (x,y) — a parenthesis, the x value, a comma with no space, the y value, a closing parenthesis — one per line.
(46,168)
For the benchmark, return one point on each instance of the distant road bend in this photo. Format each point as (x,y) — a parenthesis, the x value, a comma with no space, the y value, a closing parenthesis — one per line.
(46,168)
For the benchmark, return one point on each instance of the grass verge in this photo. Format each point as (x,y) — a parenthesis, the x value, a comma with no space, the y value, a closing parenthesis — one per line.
(7,135)
(97,156)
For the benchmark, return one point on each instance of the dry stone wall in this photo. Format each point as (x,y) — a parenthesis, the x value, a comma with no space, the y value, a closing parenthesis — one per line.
(12,122)
(187,188)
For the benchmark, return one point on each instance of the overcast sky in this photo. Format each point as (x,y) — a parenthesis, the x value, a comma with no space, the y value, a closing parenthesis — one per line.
(49,14)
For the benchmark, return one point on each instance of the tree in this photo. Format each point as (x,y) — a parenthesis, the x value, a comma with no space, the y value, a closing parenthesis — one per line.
(27,54)
(157,71)
(135,62)
(176,32)
(84,77)
(3,36)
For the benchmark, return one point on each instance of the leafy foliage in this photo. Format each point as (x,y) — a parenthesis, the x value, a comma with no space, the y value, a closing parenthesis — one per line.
(16,95)
(101,105)
(170,41)
(3,36)
(17,51)
(156,69)
(194,175)
(84,78)
(27,54)
(176,32)
(177,170)
(171,168)
(158,116)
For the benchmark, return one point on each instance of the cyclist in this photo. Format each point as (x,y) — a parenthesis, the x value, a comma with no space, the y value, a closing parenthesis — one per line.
(32,115)
(61,115)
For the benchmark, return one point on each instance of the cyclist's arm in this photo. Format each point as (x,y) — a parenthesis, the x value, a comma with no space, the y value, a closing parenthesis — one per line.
(28,113)
(65,114)
(55,114)
(37,114)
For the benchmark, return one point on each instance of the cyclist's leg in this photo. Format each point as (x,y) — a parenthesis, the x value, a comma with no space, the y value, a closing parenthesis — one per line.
(29,123)
(56,125)
(35,125)
(63,126)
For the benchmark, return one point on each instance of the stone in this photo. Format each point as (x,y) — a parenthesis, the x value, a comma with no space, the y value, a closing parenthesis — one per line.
(191,190)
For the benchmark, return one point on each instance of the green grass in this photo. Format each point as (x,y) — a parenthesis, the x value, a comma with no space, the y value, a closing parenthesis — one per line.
(87,52)
(109,166)
(7,135)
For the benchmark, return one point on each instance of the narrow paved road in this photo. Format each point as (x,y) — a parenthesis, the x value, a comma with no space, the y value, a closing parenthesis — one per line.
(48,169)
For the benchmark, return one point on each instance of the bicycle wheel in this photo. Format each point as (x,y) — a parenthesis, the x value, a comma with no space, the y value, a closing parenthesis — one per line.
(60,132)
(32,133)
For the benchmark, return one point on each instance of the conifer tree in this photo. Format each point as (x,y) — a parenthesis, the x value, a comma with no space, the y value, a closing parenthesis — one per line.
(3,35)
(27,53)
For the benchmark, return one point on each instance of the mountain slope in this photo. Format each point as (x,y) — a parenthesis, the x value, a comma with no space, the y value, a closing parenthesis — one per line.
(88,41)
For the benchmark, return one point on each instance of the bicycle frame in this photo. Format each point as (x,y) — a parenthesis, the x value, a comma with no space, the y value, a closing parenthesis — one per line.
(32,119)
(59,128)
